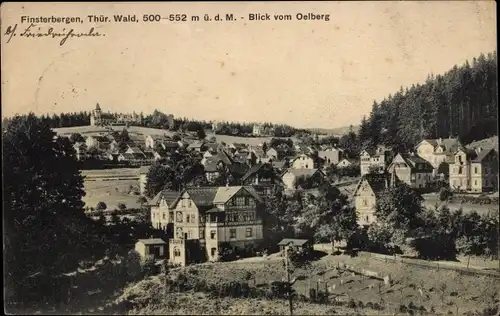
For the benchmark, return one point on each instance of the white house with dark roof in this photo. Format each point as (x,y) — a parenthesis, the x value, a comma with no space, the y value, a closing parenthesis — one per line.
(365,195)
(154,248)
(212,216)
(412,169)
(292,175)
(474,170)
(379,158)
(302,161)
(331,156)
(438,151)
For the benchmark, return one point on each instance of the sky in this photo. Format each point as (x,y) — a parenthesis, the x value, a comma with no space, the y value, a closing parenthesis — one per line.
(315,74)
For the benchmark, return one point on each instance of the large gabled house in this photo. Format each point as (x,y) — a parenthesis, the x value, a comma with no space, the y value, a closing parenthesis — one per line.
(97,141)
(378,159)
(153,141)
(437,152)
(413,170)
(207,218)
(331,156)
(292,178)
(161,212)
(365,195)
(262,177)
(303,161)
(474,170)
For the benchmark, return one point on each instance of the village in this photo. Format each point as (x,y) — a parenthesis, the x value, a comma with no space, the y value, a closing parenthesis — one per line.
(343,166)
(223,213)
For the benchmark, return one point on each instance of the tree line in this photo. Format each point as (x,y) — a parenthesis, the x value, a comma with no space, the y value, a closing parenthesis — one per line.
(459,103)
(47,232)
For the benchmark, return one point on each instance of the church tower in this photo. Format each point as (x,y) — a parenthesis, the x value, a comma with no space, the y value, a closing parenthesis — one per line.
(95,117)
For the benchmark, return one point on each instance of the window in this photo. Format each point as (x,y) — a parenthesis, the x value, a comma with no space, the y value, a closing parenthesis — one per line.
(177,252)
(178,217)
(475,170)
(249,232)
(193,218)
(459,170)
(232,233)
(164,215)
(367,218)
(365,202)
(202,233)
(187,218)
(171,217)
(247,200)
(178,233)
(183,203)
(307,166)
(475,182)
(189,203)
(213,251)
(251,216)
(212,234)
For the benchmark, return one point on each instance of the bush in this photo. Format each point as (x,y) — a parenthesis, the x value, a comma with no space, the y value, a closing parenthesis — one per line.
(444,194)
(101,206)
(351,303)
(121,206)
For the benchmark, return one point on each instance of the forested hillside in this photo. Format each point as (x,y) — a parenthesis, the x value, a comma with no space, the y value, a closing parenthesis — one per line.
(461,102)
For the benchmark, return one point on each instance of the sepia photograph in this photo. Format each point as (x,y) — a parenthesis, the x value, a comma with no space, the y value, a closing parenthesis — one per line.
(250,158)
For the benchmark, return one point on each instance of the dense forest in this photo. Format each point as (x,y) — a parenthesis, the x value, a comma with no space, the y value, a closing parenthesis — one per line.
(460,103)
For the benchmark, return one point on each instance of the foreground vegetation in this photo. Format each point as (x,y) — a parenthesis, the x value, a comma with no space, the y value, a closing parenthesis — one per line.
(322,288)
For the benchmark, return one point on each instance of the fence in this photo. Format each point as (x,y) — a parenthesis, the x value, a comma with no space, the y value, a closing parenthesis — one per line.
(436,265)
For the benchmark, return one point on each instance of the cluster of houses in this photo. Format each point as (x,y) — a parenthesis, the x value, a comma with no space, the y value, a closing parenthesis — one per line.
(200,221)
(472,169)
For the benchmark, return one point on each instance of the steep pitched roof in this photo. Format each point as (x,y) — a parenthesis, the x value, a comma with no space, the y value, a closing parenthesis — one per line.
(225,193)
(483,154)
(167,195)
(449,145)
(293,242)
(377,182)
(254,169)
(152,241)
(279,164)
(202,196)
(211,166)
(412,160)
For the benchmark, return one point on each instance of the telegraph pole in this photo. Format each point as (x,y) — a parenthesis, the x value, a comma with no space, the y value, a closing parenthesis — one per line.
(289,284)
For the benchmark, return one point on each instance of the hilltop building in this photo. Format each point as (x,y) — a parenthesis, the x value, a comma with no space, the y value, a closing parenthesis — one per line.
(99,118)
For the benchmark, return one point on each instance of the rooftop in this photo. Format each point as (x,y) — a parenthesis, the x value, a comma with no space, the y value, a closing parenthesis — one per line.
(152,241)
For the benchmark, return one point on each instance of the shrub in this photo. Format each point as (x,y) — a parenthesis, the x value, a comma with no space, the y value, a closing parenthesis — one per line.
(445,193)
(351,303)
(121,206)
(101,206)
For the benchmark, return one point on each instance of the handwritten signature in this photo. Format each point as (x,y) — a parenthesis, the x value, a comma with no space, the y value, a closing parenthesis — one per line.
(35,32)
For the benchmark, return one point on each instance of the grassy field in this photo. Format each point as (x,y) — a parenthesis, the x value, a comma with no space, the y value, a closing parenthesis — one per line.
(94,130)
(427,291)
(111,193)
(430,201)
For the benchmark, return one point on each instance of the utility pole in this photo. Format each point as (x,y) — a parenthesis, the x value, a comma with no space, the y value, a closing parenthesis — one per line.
(289,284)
